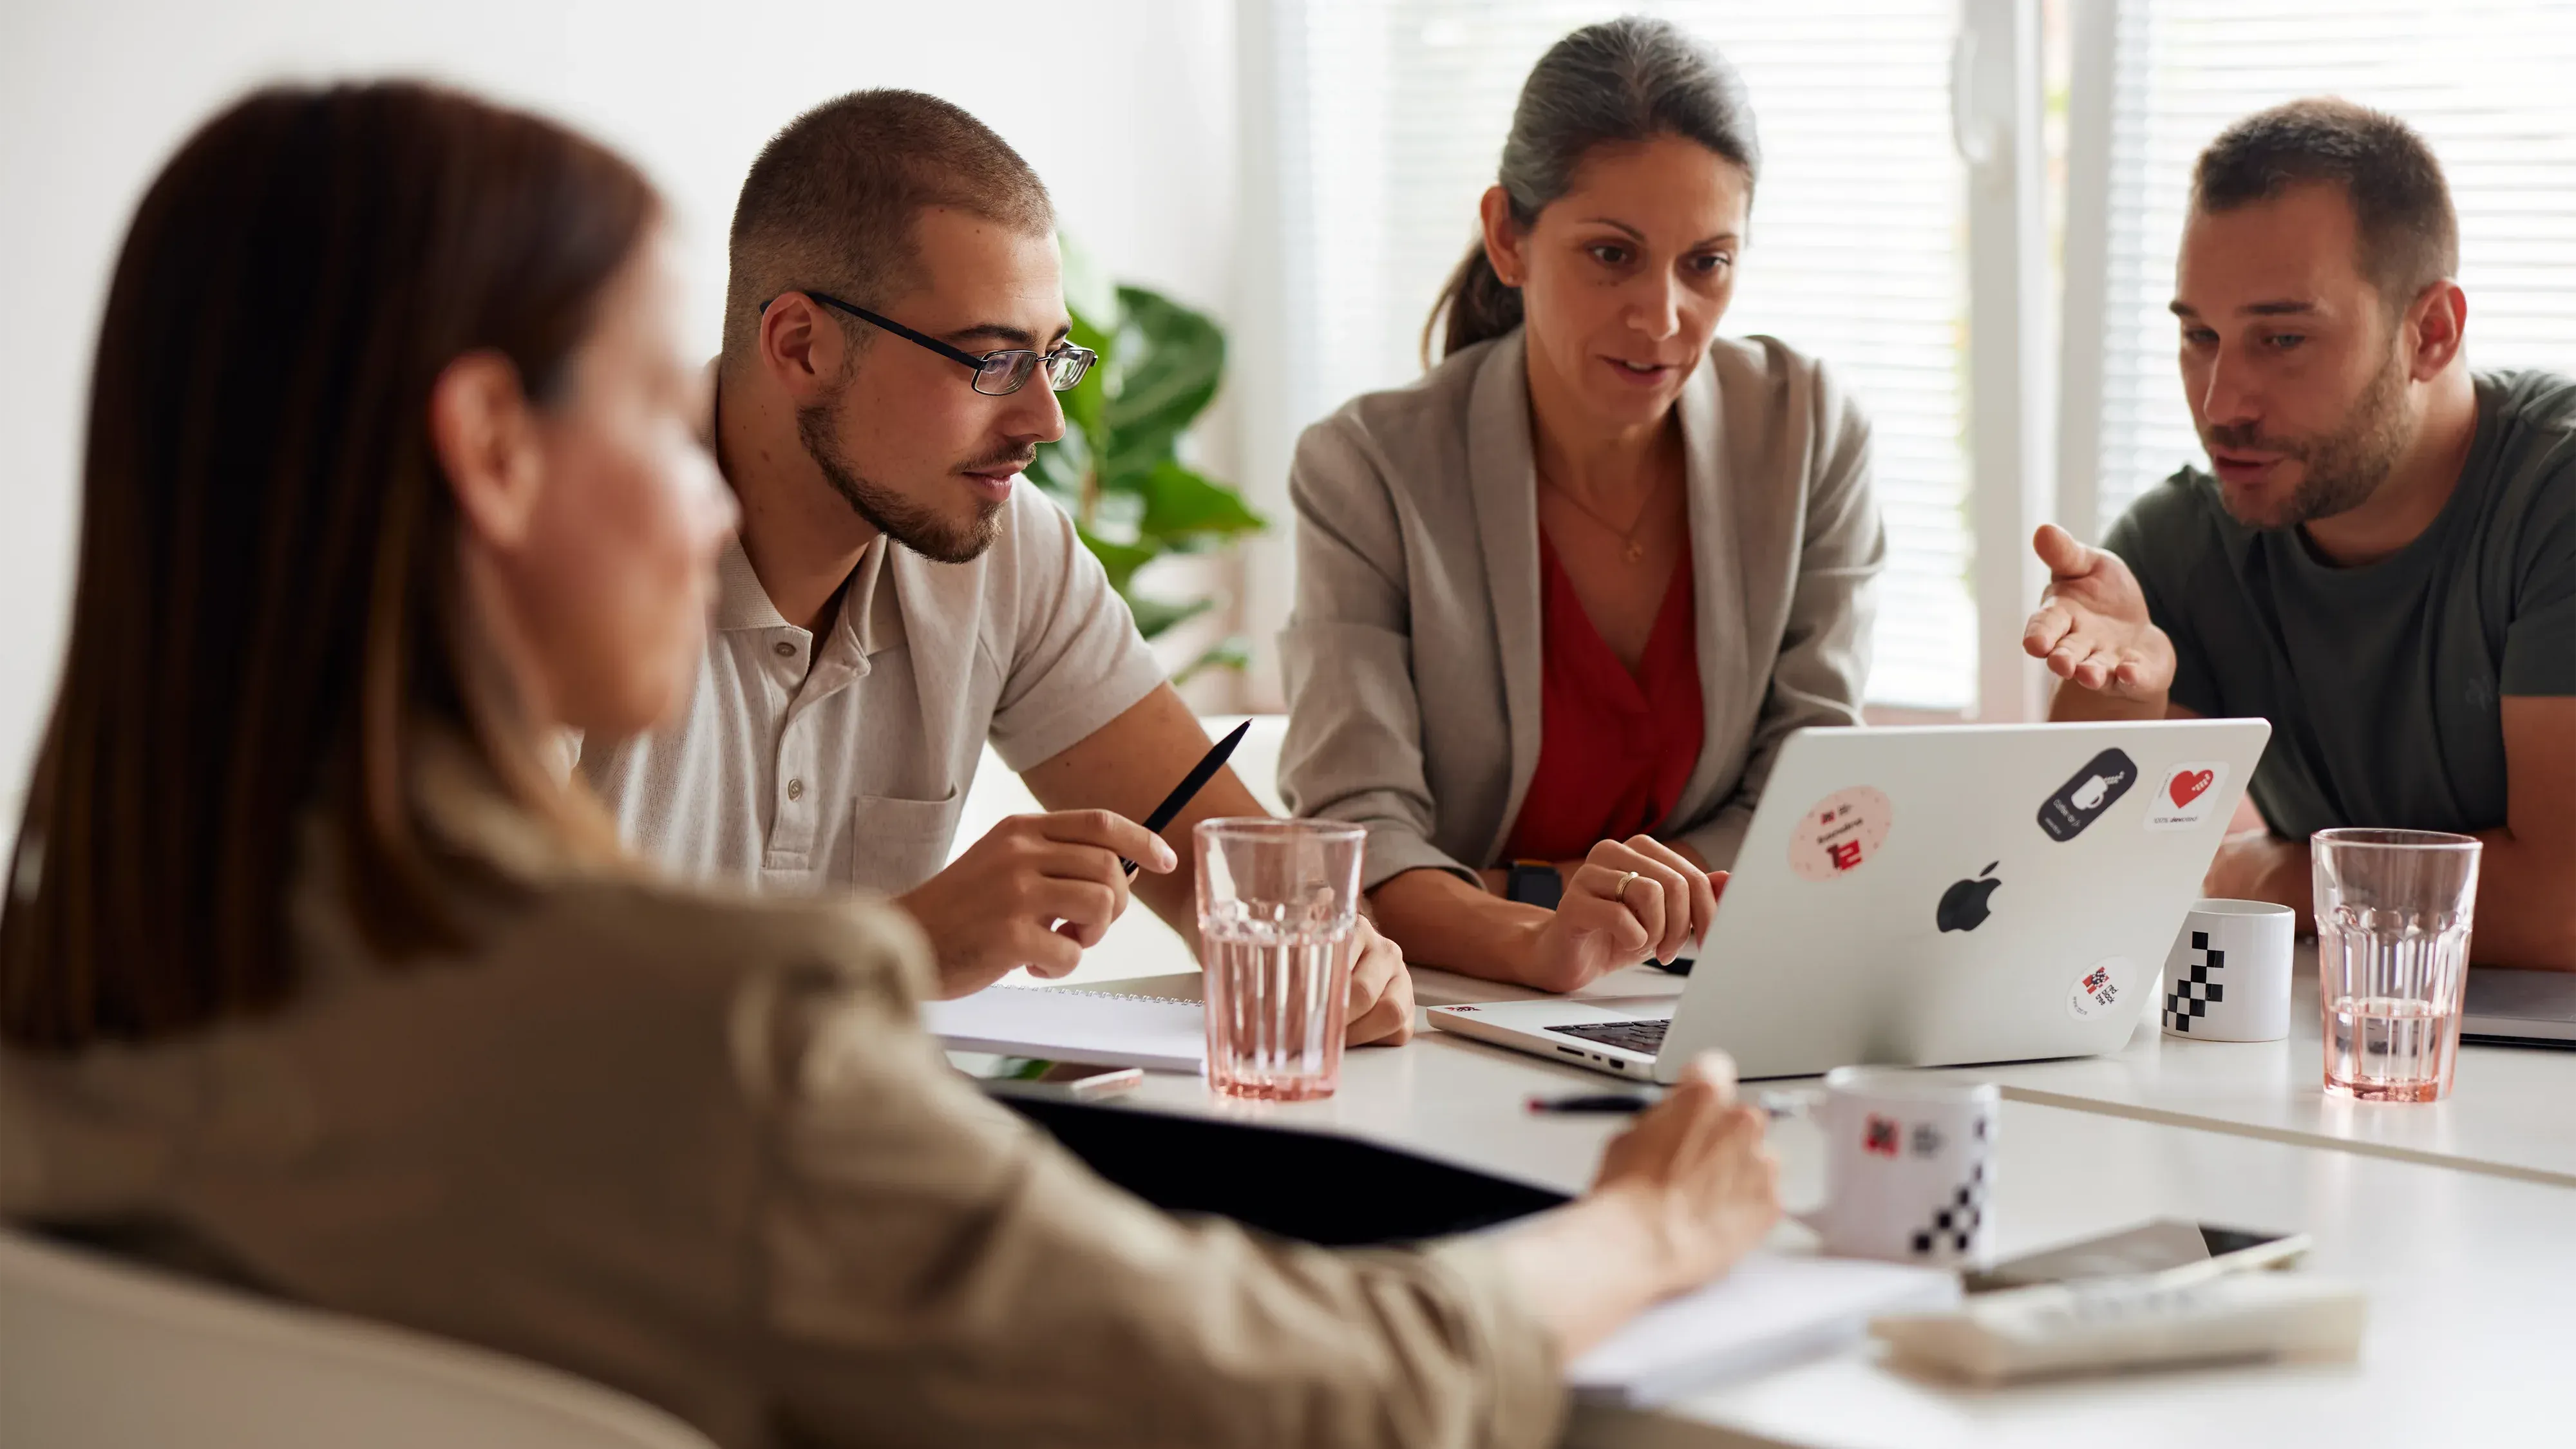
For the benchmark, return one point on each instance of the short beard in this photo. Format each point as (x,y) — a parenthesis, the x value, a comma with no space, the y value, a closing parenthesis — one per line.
(2343,469)
(917,528)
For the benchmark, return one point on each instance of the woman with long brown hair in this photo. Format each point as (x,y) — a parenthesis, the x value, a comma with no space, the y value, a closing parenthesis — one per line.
(314,976)
(1560,602)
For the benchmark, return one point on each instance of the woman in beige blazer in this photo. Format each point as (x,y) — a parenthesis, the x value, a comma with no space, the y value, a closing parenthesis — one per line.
(1559,602)
(315,976)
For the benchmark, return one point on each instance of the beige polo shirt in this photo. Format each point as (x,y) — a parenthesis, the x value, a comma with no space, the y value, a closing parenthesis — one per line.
(807,762)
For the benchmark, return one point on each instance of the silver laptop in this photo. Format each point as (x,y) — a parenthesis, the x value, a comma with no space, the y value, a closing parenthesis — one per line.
(1930,896)
(2505,1007)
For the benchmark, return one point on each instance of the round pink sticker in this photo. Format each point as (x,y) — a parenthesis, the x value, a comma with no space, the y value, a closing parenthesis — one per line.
(1840,833)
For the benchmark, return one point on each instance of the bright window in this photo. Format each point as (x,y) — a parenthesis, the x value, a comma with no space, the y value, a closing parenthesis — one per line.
(2488,84)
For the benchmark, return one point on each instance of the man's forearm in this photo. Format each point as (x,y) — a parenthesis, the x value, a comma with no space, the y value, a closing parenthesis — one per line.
(2526,906)
(2526,911)
(2261,866)
(2073,703)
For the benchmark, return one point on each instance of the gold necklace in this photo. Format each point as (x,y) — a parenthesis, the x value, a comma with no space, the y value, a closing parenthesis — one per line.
(1631,550)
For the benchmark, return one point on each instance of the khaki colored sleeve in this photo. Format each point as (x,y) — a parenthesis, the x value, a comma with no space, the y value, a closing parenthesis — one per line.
(1076,661)
(931,1271)
(1353,752)
(1823,664)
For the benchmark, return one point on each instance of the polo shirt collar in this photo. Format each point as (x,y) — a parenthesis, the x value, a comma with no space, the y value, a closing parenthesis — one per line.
(870,612)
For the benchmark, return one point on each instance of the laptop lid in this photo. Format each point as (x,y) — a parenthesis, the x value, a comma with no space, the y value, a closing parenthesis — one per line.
(2509,1007)
(1953,894)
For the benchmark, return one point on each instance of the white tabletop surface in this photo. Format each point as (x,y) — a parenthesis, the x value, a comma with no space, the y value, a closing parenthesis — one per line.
(2511,1112)
(2471,1274)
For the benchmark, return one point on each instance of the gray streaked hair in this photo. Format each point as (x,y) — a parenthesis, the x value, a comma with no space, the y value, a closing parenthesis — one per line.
(1615,83)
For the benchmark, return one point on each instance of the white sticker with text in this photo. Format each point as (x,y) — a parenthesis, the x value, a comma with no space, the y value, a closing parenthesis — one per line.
(2100,988)
(2188,796)
(1840,833)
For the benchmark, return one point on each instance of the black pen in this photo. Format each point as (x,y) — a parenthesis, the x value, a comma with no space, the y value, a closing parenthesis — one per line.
(1595,1102)
(1772,1105)
(1191,784)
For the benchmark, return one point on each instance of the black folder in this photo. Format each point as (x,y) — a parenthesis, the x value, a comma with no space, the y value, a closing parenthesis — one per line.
(1315,1187)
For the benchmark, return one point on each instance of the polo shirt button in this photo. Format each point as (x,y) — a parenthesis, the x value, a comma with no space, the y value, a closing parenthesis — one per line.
(783,649)
(795,789)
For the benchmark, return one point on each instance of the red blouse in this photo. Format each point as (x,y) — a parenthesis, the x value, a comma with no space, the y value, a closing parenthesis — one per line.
(1615,748)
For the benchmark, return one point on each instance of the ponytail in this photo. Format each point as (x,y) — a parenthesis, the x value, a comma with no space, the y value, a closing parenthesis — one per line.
(1473,307)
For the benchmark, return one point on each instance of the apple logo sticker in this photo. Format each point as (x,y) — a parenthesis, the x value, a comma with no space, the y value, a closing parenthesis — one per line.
(1965,905)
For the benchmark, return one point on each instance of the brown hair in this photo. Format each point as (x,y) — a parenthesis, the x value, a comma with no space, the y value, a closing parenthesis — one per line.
(1616,83)
(265,618)
(2408,234)
(831,201)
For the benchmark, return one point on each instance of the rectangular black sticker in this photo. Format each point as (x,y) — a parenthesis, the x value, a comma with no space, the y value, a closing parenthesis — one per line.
(2082,800)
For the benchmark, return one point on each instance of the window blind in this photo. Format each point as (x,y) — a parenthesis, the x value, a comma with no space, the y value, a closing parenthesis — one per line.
(2486,83)
(1856,255)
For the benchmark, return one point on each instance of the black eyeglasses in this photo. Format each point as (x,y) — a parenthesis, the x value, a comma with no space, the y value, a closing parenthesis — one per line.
(997,374)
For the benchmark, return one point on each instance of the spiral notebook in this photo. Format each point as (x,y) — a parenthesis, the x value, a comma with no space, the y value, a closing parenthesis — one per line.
(1098,1028)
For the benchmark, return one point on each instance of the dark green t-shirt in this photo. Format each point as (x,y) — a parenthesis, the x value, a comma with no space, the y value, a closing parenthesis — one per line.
(2381,682)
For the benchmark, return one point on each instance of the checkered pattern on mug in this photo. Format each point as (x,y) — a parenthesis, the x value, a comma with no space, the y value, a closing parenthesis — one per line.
(2192,994)
(1953,1229)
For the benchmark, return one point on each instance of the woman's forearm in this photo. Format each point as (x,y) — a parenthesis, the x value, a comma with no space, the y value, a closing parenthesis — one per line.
(1443,921)
(1584,1269)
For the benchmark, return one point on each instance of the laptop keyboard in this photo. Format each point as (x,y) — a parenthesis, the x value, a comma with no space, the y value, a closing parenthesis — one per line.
(1637,1036)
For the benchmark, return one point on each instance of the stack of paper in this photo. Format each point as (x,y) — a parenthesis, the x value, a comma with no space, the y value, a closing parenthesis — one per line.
(1095,1028)
(1767,1312)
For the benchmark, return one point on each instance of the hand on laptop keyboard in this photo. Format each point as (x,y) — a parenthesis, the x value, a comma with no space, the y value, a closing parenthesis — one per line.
(1629,900)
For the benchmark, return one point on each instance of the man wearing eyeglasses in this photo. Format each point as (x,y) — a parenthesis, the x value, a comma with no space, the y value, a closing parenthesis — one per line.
(895,335)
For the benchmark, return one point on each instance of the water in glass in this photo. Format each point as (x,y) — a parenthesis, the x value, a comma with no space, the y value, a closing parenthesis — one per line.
(1274,1002)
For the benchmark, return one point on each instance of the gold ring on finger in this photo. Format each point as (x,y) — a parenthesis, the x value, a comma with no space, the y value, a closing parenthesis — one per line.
(1621,894)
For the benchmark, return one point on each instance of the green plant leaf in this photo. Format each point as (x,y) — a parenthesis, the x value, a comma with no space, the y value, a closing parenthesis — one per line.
(1170,362)
(1230,653)
(1119,560)
(1086,407)
(1154,616)
(1117,470)
(1182,504)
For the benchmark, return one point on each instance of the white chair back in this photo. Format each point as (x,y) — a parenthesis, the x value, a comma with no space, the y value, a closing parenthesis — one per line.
(100,1355)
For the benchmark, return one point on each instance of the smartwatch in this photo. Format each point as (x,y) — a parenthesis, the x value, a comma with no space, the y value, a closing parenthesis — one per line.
(1534,883)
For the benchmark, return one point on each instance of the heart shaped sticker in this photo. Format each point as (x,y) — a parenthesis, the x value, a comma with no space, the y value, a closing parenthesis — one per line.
(2192,793)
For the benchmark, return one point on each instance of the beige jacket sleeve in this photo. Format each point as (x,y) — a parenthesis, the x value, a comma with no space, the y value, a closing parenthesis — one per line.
(932,1271)
(1355,746)
(1823,664)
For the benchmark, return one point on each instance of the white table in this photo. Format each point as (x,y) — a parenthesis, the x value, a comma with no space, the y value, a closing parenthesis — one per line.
(2512,1112)
(2472,1274)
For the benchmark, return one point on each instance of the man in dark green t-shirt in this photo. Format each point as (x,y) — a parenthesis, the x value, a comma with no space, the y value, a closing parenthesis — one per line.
(2382,559)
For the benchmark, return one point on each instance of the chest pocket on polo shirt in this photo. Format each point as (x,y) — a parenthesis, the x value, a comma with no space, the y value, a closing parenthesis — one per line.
(897,843)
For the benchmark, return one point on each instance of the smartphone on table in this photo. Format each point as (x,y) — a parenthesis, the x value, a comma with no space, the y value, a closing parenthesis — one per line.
(2183,1250)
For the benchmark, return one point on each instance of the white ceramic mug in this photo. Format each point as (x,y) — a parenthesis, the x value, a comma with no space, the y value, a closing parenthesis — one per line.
(1909,1163)
(2228,975)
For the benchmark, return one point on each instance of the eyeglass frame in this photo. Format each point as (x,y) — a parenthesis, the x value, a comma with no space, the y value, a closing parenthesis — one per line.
(1040,361)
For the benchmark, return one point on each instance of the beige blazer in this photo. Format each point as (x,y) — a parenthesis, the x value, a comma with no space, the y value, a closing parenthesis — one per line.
(697,1146)
(1413,654)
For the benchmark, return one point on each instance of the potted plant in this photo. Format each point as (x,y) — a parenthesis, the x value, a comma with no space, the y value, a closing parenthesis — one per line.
(1118,469)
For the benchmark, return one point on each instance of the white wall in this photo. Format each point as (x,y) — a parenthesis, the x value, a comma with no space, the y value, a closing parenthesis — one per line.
(1125,107)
